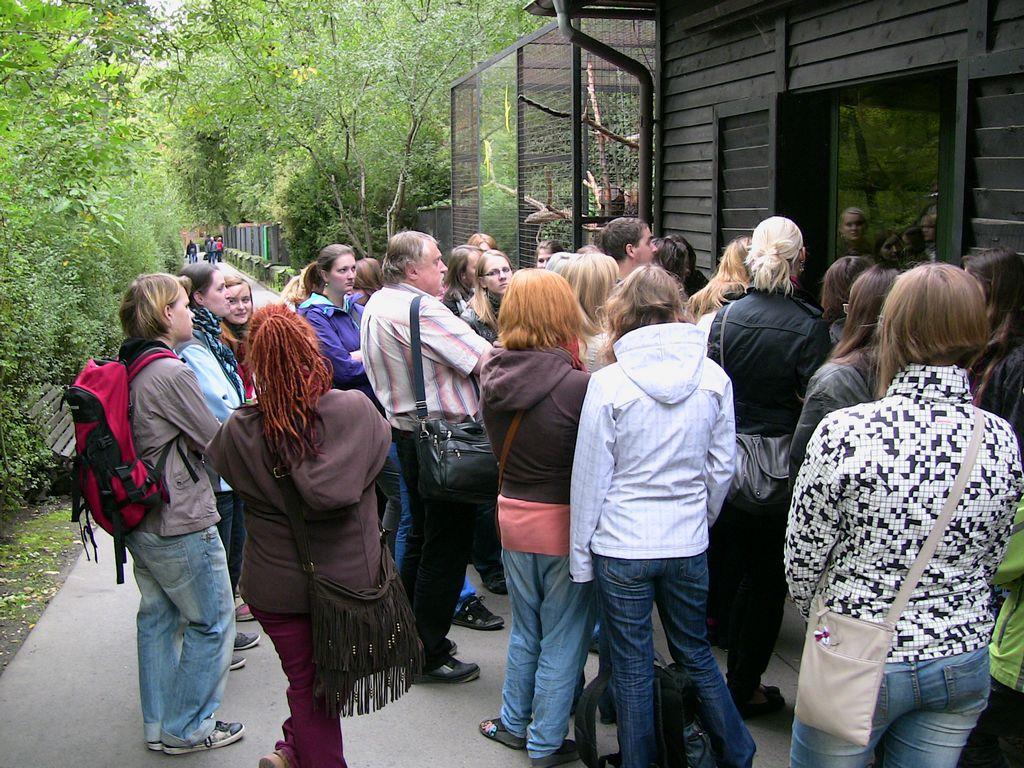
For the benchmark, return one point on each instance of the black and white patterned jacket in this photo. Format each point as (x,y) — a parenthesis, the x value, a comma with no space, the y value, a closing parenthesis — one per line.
(874,481)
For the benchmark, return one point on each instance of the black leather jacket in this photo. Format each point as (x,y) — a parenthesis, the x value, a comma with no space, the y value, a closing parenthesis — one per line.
(832,387)
(774,344)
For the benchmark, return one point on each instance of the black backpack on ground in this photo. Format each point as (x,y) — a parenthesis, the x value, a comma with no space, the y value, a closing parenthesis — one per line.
(682,741)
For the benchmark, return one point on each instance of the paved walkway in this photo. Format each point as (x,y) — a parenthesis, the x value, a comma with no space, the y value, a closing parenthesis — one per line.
(70,695)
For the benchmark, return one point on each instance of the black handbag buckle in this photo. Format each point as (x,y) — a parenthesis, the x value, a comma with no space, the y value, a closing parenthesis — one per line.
(280,472)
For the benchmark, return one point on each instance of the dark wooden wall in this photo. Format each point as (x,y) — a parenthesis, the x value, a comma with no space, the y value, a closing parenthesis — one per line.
(715,70)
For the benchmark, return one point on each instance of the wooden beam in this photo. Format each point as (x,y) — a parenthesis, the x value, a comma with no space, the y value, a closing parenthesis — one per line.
(781,53)
(977,27)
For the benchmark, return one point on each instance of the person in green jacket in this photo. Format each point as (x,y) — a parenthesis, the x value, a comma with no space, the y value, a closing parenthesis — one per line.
(1004,715)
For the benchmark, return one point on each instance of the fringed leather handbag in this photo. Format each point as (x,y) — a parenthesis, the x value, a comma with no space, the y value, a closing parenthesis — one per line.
(365,645)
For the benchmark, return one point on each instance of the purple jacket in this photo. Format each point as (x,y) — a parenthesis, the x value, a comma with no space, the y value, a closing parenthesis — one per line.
(337,329)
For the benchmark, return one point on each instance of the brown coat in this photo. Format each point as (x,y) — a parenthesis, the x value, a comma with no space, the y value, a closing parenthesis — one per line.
(337,486)
(168,405)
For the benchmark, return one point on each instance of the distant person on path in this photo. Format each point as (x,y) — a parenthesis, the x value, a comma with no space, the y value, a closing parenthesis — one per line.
(217,369)
(208,248)
(180,565)
(439,545)
(191,252)
(219,248)
(654,460)
(331,444)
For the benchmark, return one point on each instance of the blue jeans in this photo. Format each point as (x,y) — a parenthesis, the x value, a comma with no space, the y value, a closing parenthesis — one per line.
(184,583)
(628,590)
(926,710)
(552,619)
(231,528)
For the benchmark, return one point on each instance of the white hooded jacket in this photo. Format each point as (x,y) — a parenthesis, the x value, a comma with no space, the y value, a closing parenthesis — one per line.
(655,452)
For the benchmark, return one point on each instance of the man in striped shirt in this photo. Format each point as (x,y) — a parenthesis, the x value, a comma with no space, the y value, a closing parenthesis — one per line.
(440,542)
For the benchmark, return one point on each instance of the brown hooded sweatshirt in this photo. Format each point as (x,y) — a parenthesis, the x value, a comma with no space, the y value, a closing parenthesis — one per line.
(337,485)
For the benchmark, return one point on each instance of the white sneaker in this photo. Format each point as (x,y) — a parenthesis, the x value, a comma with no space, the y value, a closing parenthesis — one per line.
(221,735)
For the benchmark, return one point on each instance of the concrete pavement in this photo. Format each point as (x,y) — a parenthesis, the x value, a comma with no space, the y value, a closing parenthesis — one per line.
(70,695)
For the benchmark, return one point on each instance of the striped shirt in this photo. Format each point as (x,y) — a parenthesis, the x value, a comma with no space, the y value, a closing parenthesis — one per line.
(451,351)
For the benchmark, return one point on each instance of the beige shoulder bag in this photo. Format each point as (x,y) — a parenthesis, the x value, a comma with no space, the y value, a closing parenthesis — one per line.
(844,658)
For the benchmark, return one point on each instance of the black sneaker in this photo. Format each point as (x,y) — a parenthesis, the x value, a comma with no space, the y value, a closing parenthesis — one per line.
(244,641)
(474,614)
(567,753)
(495,583)
(222,735)
(452,671)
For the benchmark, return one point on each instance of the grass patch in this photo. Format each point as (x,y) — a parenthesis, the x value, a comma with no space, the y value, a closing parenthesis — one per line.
(39,545)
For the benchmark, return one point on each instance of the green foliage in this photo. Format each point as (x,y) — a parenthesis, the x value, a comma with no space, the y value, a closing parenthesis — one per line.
(83,201)
(343,103)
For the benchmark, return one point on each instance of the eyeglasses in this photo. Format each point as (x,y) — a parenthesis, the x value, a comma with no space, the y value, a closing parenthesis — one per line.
(496,272)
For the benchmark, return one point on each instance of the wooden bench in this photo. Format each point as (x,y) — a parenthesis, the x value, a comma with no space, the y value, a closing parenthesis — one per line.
(58,428)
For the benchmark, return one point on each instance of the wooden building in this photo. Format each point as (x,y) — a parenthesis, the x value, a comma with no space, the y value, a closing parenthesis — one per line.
(910,110)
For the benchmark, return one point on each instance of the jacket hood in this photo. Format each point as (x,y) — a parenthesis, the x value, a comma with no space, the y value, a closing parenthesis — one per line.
(512,380)
(665,361)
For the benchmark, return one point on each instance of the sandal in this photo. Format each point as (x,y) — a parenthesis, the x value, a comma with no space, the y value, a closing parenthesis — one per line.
(495,730)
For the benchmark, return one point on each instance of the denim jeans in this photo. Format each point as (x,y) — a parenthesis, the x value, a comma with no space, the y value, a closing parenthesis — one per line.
(552,620)
(437,551)
(925,713)
(312,738)
(231,528)
(184,582)
(628,590)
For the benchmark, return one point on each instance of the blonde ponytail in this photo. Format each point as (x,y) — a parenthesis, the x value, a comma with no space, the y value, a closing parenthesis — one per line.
(774,249)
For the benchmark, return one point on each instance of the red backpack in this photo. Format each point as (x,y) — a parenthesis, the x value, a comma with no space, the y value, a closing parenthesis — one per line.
(109,481)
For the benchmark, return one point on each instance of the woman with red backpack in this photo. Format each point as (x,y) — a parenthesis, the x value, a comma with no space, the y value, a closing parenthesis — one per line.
(180,566)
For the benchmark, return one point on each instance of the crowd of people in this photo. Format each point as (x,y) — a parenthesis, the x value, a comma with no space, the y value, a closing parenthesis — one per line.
(619,387)
(213,250)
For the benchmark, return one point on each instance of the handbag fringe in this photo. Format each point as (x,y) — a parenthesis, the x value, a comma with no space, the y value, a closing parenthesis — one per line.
(366,652)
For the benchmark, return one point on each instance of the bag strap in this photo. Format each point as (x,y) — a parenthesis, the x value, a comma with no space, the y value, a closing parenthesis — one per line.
(418,387)
(293,506)
(507,445)
(585,719)
(721,333)
(945,517)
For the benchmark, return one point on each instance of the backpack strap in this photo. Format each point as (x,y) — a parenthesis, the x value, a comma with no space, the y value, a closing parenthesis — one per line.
(585,721)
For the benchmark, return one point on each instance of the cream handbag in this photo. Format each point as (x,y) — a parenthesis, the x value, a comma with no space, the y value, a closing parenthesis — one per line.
(844,658)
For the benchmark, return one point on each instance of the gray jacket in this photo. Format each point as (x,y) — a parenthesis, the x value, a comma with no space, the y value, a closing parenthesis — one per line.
(168,407)
(833,386)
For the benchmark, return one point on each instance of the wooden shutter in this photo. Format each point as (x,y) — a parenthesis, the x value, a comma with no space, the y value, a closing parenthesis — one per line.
(744,168)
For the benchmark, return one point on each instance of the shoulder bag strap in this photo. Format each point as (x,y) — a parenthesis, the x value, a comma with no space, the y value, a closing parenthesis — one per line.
(721,333)
(293,506)
(418,388)
(948,510)
(507,445)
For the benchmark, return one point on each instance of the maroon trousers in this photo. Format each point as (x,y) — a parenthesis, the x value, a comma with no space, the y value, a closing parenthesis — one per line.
(312,739)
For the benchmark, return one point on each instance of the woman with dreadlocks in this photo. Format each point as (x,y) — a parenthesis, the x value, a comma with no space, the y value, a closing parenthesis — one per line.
(331,444)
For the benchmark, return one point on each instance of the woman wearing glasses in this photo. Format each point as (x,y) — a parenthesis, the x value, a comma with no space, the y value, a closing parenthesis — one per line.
(493,273)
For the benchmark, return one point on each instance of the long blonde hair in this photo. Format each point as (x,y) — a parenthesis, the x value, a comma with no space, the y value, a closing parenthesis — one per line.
(731,277)
(592,277)
(481,303)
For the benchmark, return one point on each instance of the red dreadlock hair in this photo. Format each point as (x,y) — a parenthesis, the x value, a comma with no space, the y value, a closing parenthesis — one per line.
(290,377)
